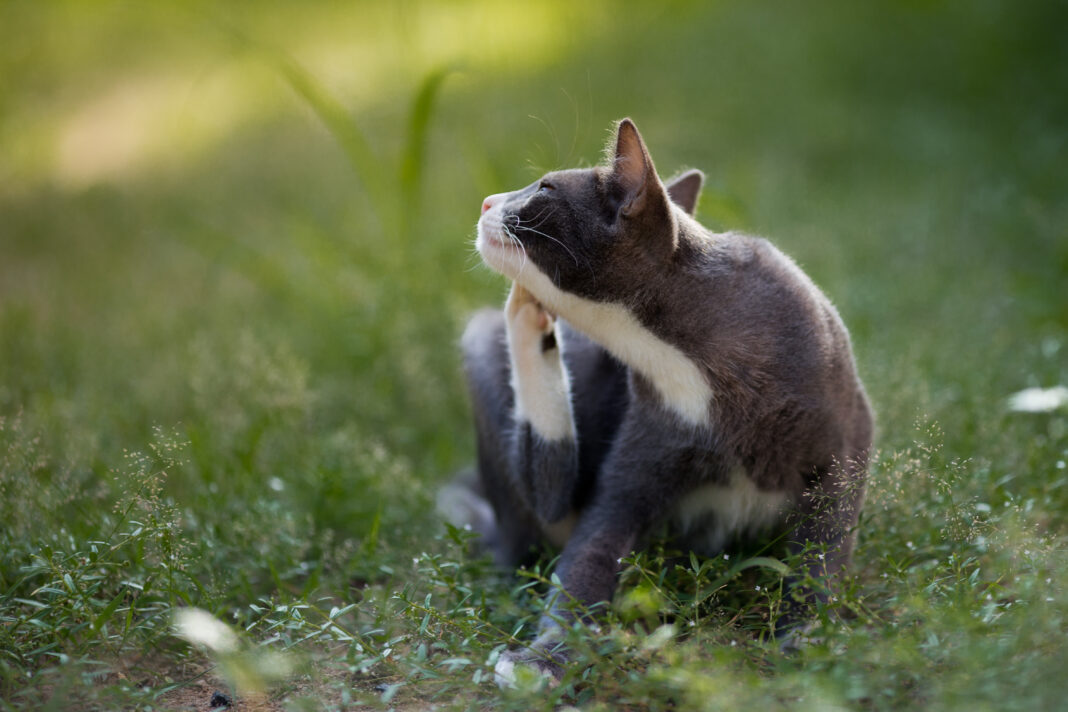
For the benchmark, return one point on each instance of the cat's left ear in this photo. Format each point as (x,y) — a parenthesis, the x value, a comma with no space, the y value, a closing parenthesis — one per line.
(685,189)
(633,170)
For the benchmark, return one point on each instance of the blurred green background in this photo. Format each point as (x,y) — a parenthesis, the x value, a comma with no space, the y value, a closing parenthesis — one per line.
(245,230)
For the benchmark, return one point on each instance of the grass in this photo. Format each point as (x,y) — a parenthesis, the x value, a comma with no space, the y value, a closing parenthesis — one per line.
(235,261)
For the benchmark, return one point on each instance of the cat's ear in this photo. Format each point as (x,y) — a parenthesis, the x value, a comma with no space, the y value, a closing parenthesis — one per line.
(684,189)
(633,170)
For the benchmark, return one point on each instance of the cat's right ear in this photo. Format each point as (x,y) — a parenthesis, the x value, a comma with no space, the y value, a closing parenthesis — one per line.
(632,169)
(685,189)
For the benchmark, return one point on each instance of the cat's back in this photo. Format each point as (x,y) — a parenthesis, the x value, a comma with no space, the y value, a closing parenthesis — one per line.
(772,344)
(762,276)
(757,297)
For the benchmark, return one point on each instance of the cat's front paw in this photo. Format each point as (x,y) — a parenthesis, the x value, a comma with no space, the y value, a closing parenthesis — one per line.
(530,667)
(794,639)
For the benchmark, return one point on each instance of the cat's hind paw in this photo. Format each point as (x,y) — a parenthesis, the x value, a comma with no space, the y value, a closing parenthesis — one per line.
(539,379)
(527,318)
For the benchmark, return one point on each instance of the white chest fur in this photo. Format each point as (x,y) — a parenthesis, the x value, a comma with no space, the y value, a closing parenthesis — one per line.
(711,515)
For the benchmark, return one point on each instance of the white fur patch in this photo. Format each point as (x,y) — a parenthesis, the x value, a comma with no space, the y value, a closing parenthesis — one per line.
(542,388)
(676,378)
(508,674)
(712,514)
(504,673)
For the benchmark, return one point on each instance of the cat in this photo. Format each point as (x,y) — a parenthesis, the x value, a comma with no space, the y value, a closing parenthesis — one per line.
(644,372)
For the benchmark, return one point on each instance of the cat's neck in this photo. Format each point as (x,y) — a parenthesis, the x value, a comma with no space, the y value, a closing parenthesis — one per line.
(681,383)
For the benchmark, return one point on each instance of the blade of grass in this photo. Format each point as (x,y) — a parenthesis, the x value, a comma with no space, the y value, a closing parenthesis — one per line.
(369,169)
(109,610)
(413,159)
(765,562)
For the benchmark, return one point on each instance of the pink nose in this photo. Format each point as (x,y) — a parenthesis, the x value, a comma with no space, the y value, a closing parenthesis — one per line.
(486,205)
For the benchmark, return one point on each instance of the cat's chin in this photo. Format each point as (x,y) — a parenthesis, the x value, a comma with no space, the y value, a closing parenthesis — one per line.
(499,255)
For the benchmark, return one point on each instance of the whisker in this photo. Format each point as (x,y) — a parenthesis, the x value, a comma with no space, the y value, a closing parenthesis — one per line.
(557,241)
(515,241)
(475,257)
(551,209)
(532,224)
(538,220)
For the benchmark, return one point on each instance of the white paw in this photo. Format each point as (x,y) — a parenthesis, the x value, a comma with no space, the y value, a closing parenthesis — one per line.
(529,323)
(539,379)
(526,669)
(504,672)
(798,637)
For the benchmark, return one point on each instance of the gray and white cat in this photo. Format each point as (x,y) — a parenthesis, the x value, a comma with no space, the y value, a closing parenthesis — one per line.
(645,372)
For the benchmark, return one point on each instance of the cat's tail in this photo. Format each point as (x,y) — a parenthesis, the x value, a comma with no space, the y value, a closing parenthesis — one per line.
(463,504)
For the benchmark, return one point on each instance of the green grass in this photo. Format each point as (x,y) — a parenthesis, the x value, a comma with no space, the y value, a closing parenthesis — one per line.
(235,261)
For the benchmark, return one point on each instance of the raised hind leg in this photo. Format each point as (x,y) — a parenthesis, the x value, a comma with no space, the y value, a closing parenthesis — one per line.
(511,530)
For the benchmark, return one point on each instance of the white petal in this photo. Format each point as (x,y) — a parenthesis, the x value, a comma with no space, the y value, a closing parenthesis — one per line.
(200,627)
(1038,400)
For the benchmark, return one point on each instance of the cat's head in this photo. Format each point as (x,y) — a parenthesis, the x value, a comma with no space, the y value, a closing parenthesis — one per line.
(597,233)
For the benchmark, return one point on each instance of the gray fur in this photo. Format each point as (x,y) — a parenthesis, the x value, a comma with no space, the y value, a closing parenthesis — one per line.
(787,407)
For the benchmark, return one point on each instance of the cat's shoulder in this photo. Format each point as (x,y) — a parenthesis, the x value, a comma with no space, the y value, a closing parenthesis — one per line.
(719,251)
(759,252)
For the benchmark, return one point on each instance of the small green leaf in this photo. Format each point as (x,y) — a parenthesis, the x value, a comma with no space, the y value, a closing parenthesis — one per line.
(336,612)
(109,610)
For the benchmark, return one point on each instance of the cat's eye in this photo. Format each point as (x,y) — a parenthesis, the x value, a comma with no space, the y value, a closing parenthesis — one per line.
(545,187)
